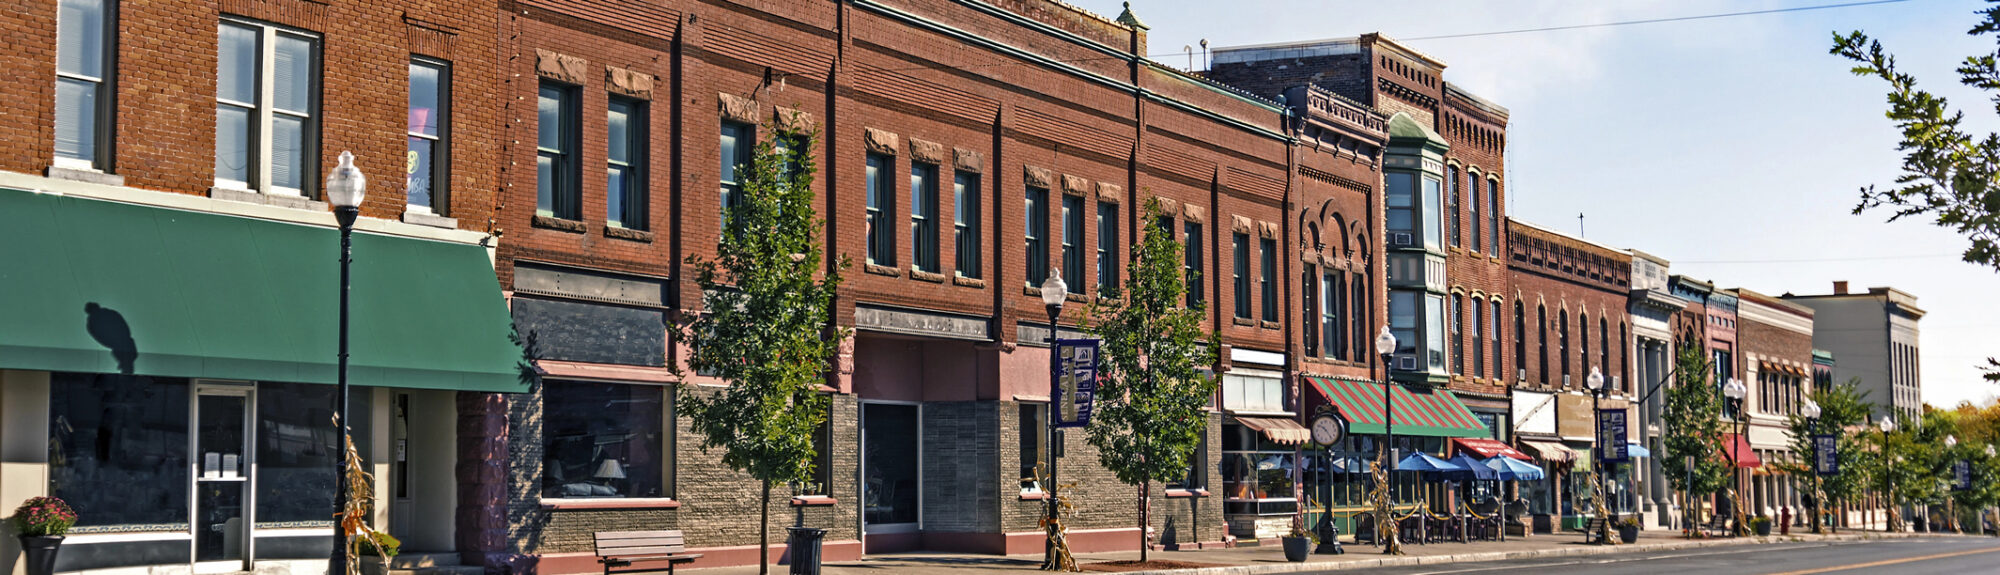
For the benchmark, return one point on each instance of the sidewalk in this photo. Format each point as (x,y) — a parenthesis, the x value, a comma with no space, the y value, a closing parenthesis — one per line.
(1271,559)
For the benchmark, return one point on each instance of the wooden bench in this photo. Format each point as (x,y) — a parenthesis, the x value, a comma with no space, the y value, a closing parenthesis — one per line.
(1592,528)
(623,548)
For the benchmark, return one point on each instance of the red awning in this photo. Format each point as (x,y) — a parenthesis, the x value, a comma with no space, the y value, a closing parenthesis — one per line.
(1489,448)
(1744,456)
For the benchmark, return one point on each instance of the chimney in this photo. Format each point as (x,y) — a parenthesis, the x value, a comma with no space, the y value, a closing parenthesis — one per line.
(1840,288)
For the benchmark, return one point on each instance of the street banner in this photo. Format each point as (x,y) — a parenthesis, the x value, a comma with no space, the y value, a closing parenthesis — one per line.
(1074,384)
(1826,454)
(1961,475)
(1611,446)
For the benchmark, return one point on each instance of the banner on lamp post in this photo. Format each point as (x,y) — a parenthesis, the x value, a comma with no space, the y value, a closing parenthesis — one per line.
(1961,475)
(1611,447)
(1074,385)
(1826,454)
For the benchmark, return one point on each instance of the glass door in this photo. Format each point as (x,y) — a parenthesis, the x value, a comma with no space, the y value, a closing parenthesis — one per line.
(890,472)
(221,480)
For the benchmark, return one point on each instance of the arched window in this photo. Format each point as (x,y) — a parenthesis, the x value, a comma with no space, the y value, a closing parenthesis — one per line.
(1493,215)
(1457,334)
(1309,292)
(1520,340)
(1625,356)
(1494,320)
(1542,340)
(1358,298)
(1562,343)
(1604,345)
(1583,343)
(1477,317)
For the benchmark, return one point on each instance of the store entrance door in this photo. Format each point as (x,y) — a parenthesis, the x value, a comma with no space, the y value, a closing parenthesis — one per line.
(222,471)
(891,476)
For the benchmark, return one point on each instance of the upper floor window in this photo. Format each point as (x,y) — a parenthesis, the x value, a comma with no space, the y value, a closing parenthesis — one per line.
(1267,255)
(1332,325)
(1107,246)
(1253,391)
(1493,213)
(1476,321)
(1401,207)
(1037,216)
(1309,294)
(1495,323)
(625,159)
(923,217)
(1240,275)
(1451,198)
(1193,263)
(1357,317)
(1472,213)
(1403,317)
(1457,334)
(881,199)
(965,223)
(738,142)
(83,76)
(429,149)
(1072,242)
(556,190)
(266,108)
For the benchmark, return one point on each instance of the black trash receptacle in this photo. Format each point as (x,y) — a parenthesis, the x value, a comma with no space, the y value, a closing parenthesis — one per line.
(805,549)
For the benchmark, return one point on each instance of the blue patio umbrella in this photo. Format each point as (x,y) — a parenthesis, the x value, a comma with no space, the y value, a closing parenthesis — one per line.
(1424,462)
(1473,470)
(1510,469)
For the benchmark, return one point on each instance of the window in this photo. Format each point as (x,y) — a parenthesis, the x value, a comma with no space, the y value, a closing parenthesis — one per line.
(1457,334)
(737,145)
(1451,198)
(1267,280)
(1034,433)
(881,196)
(819,481)
(1498,369)
(1245,390)
(1196,477)
(1624,356)
(118,447)
(1107,246)
(556,190)
(266,127)
(1309,291)
(1493,213)
(1434,330)
(1542,341)
(1401,207)
(1240,276)
(1193,263)
(1520,339)
(1583,347)
(923,217)
(297,447)
(625,155)
(965,223)
(1478,318)
(1604,345)
(83,69)
(429,151)
(1072,242)
(603,440)
(1357,299)
(1256,473)
(1433,231)
(1562,344)
(1329,315)
(1472,213)
(1037,213)
(1403,320)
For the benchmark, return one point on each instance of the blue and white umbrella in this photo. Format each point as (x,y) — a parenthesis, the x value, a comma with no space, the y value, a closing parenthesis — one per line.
(1510,469)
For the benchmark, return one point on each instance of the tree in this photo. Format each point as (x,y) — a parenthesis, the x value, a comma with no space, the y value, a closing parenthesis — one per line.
(765,325)
(1840,406)
(1694,432)
(1948,175)
(1152,397)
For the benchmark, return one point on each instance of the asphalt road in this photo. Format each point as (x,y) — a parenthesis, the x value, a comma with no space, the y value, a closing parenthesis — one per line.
(1922,556)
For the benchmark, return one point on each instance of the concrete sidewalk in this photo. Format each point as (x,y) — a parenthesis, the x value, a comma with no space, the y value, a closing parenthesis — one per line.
(1271,559)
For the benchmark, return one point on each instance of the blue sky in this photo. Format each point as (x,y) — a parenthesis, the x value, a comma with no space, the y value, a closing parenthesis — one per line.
(1707,142)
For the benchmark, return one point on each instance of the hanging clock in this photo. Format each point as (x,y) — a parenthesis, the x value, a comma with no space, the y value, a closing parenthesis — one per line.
(1328,429)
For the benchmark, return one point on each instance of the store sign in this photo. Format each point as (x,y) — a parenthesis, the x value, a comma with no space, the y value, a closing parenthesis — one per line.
(1961,475)
(1611,446)
(1826,454)
(1073,386)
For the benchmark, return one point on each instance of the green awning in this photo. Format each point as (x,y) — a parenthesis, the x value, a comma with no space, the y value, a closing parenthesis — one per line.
(1433,412)
(104,287)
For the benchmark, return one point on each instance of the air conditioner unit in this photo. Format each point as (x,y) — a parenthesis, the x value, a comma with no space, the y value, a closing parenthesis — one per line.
(1565,380)
(1406,362)
(1399,239)
(1520,375)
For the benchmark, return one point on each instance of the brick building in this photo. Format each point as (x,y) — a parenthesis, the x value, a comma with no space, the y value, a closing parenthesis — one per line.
(1575,322)
(1776,340)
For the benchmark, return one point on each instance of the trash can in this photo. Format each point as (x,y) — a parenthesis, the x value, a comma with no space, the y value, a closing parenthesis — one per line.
(804,548)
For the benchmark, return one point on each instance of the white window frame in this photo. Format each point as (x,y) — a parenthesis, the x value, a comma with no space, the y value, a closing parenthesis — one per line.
(101,113)
(440,142)
(263,111)
(1271,392)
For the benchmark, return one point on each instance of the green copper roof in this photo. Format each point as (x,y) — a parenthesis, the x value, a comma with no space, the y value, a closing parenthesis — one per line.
(1404,127)
(95,286)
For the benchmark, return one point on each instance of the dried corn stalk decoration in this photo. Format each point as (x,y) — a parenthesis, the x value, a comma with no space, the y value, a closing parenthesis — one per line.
(1057,557)
(353,519)
(1385,523)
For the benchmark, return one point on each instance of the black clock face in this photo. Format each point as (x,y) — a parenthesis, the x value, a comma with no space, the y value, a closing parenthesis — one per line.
(1327,430)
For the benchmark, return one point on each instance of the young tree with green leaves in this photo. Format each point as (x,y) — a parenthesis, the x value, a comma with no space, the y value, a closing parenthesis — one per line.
(1694,431)
(1152,397)
(766,325)
(1840,405)
(1950,175)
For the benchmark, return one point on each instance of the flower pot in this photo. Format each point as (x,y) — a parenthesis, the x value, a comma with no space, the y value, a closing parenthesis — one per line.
(1763,528)
(1628,533)
(374,565)
(1297,548)
(38,553)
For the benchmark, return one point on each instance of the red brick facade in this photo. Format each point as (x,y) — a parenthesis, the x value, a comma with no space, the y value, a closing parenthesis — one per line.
(1574,306)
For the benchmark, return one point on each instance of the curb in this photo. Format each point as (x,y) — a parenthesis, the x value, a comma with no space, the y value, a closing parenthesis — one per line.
(1407,561)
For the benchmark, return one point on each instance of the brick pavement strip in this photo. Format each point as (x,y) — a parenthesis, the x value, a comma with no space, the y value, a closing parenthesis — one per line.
(1269,559)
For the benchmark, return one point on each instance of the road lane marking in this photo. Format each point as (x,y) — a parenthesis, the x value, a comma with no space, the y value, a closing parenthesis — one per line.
(1613,560)
(1890,562)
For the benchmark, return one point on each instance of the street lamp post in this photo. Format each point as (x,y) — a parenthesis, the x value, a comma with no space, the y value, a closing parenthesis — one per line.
(1385,345)
(1809,409)
(345,189)
(1735,390)
(1595,381)
(1054,293)
(1893,521)
(1983,513)
(1951,501)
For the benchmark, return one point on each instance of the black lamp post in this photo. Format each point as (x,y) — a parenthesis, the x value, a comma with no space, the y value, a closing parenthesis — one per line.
(1385,344)
(1951,501)
(1891,522)
(345,188)
(1054,293)
(1809,409)
(1735,391)
(1595,381)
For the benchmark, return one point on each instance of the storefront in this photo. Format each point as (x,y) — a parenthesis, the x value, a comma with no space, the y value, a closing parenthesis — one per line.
(1261,438)
(1426,420)
(168,373)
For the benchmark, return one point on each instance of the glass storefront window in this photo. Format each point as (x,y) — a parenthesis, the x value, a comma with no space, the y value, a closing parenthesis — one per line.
(298,447)
(1256,473)
(118,450)
(603,440)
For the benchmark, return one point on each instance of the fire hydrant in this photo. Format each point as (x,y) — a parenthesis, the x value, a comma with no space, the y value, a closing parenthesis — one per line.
(1785,521)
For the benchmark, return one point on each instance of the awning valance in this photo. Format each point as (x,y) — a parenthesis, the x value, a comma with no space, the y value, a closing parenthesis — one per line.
(1549,451)
(1284,431)
(104,287)
(1743,455)
(1489,447)
(1633,449)
(1432,412)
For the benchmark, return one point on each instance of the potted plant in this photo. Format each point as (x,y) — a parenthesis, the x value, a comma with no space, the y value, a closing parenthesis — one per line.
(1761,525)
(377,550)
(1298,543)
(40,522)
(1628,530)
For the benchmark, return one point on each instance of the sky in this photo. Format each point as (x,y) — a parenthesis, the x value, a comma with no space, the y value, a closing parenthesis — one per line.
(1733,147)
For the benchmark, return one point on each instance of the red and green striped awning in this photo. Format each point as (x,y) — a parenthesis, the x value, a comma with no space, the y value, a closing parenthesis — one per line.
(1433,412)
